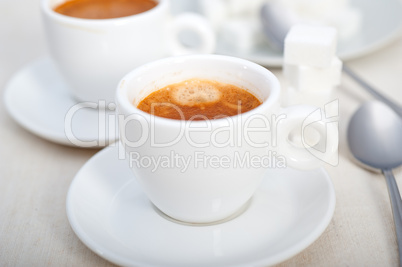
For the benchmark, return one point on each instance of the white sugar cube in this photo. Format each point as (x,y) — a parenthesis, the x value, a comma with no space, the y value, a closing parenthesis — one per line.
(305,78)
(236,7)
(314,8)
(291,97)
(216,11)
(312,46)
(244,8)
(242,33)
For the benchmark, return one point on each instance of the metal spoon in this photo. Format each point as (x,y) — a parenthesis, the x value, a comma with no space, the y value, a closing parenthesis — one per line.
(375,139)
(276,28)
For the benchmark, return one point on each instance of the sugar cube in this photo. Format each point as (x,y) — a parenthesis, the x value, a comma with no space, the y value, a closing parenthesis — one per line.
(249,8)
(241,33)
(306,78)
(290,97)
(313,8)
(216,11)
(312,46)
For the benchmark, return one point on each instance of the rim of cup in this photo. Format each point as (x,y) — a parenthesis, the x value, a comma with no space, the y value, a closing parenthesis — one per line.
(122,97)
(48,10)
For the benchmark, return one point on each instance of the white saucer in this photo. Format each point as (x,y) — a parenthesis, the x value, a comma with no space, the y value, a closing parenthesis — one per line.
(37,98)
(382,24)
(111,215)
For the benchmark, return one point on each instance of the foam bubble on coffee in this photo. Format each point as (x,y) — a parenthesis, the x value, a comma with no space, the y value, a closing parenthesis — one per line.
(193,93)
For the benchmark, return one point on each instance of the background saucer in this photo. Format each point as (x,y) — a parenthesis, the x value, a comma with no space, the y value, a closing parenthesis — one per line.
(111,215)
(382,24)
(37,98)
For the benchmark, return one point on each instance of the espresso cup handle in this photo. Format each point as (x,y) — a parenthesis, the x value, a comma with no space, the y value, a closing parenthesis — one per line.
(307,138)
(194,23)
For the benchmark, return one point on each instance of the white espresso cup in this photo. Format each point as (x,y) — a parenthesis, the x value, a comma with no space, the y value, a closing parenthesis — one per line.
(212,167)
(93,54)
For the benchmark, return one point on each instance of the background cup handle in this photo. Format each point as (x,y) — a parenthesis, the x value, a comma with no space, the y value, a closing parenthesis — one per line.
(307,138)
(196,24)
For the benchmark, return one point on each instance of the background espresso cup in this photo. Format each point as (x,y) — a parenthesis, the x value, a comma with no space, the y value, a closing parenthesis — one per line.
(223,169)
(93,54)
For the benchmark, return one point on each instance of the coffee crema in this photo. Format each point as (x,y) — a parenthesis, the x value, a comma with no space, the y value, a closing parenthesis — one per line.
(198,99)
(104,9)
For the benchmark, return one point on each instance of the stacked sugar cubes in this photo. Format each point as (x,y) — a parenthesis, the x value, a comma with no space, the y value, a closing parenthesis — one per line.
(236,22)
(311,68)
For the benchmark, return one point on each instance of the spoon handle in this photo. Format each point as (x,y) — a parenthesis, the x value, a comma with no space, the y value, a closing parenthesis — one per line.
(396,204)
(372,91)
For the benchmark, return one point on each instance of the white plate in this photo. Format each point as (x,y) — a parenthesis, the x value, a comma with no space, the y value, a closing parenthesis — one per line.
(111,215)
(37,98)
(382,22)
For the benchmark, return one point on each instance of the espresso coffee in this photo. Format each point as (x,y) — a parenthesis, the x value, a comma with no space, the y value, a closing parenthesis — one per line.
(198,99)
(104,9)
